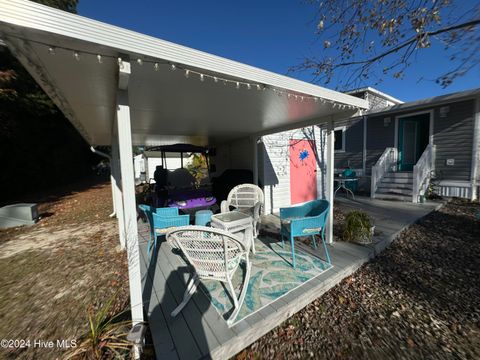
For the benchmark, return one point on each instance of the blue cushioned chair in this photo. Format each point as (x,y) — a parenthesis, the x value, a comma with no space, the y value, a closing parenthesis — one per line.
(160,220)
(308,219)
(350,174)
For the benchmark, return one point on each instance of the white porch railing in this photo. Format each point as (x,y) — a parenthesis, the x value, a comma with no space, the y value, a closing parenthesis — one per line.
(422,172)
(386,163)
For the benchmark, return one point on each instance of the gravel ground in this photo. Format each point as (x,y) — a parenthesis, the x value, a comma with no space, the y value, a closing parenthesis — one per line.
(420,299)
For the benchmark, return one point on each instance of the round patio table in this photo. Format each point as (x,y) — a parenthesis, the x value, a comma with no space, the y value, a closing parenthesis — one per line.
(341,185)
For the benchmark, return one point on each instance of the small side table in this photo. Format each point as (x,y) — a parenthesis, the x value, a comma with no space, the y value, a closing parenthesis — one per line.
(341,185)
(234,222)
(202,217)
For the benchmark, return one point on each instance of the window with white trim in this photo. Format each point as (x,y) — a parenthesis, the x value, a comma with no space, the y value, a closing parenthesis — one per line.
(339,134)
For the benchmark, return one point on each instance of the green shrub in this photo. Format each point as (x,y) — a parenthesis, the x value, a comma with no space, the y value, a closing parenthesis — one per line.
(357,227)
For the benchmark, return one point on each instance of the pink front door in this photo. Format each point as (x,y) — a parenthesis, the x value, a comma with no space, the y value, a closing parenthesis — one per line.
(303,175)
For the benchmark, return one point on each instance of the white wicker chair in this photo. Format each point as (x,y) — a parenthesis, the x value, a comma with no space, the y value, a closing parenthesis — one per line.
(214,254)
(247,198)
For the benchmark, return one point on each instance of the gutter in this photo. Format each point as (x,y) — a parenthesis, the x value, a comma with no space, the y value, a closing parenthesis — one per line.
(98,152)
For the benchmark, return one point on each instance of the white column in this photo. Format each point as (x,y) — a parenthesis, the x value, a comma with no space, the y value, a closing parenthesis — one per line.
(364,154)
(117,186)
(330,170)
(129,205)
(255,160)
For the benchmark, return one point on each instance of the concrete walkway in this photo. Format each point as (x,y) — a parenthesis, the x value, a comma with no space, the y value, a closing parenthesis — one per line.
(389,217)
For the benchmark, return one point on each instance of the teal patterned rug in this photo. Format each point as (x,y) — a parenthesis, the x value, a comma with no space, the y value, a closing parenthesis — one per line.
(271,277)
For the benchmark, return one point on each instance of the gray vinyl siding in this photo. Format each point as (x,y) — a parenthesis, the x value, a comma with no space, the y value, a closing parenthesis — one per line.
(453,137)
(379,137)
(353,155)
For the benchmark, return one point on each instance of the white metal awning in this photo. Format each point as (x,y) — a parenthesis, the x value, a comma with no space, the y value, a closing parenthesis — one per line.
(75,59)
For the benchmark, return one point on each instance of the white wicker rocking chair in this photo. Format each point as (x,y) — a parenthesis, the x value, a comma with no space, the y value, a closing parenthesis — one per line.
(247,198)
(214,254)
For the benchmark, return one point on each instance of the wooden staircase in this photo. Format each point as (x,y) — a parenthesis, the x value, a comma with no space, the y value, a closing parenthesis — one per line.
(395,186)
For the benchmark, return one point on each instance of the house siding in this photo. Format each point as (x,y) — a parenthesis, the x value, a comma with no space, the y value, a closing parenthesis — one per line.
(379,137)
(453,137)
(353,155)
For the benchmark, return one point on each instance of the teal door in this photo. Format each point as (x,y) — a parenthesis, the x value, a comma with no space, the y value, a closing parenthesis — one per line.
(412,140)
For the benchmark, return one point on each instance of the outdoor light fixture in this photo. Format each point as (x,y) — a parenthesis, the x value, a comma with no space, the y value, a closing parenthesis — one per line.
(157,64)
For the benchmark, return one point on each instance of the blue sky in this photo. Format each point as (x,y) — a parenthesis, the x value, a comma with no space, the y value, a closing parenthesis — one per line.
(272,35)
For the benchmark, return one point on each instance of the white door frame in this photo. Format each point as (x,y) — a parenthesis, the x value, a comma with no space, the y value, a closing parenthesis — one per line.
(430,125)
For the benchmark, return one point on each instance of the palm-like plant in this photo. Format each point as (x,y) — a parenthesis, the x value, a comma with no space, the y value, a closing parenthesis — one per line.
(106,338)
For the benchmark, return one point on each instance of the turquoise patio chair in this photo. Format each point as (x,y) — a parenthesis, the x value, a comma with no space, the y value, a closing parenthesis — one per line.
(160,221)
(308,219)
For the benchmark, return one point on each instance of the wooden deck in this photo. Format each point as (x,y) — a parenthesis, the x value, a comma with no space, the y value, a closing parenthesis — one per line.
(200,332)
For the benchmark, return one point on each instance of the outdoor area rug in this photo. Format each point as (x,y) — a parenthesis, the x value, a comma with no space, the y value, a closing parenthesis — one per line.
(271,277)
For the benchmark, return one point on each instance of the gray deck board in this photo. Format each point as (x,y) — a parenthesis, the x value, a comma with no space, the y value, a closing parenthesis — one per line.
(200,331)
(212,318)
(182,336)
(162,341)
(202,334)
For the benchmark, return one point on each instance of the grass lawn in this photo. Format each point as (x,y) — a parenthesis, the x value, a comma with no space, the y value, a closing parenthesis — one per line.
(52,272)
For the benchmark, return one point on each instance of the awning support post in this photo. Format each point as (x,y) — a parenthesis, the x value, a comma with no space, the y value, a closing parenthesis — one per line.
(117,185)
(255,160)
(129,205)
(330,170)
(124,130)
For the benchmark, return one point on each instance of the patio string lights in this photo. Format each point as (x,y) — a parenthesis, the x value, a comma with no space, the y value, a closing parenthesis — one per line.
(190,73)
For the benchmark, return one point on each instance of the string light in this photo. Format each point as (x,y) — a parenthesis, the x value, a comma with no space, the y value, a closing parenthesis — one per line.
(216,79)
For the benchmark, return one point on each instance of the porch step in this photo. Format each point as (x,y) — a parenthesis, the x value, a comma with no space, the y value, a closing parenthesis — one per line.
(396,186)
(394,190)
(399,175)
(392,196)
(391,184)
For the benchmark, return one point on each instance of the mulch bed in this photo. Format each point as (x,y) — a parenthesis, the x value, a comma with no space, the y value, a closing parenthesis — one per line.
(418,299)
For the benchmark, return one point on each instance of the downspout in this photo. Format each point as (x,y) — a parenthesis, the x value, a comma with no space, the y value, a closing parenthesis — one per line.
(98,152)
(475,151)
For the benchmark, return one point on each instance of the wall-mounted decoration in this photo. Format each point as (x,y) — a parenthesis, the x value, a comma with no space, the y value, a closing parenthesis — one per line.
(444,110)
